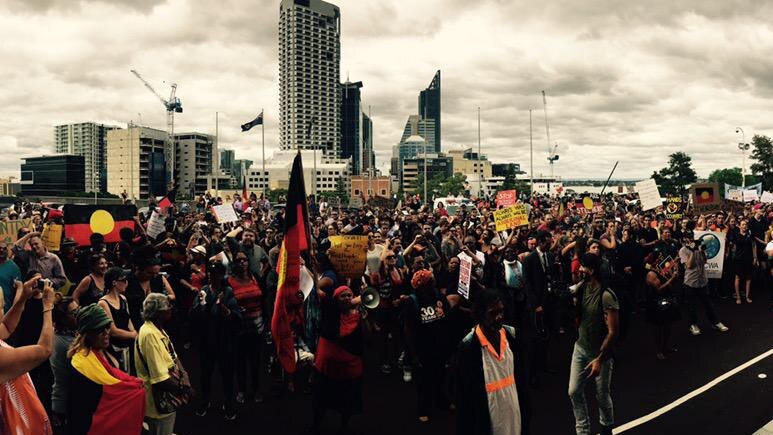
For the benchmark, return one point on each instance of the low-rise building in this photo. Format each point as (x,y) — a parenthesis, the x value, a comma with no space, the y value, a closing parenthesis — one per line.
(371,186)
(53,175)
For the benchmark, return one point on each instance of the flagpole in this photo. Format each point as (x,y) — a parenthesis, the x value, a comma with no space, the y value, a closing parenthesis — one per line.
(263,148)
(531,156)
(217,159)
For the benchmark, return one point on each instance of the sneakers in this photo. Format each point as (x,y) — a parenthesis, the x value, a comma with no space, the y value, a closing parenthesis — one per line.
(695,330)
(721,327)
(229,414)
(407,375)
(386,368)
(240,398)
(201,411)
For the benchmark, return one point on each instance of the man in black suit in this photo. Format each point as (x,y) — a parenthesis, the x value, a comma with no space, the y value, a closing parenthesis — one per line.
(539,272)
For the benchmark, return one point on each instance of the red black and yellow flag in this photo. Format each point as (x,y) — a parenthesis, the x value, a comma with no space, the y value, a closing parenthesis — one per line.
(80,221)
(109,401)
(289,305)
(168,200)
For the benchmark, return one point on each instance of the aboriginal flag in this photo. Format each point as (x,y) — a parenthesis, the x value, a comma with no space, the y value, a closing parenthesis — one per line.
(80,221)
(705,195)
(288,309)
(109,401)
(168,200)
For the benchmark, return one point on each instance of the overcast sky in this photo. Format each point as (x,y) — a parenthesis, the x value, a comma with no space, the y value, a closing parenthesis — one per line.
(630,83)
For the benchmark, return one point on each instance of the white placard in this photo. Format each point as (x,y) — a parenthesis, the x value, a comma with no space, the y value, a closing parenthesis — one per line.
(648,194)
(155,225)
(224,213)
(465,273)
(715,251)
(750,195)
(766,197)
(734,195)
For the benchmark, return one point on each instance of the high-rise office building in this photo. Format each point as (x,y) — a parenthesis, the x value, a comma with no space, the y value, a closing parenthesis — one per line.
(136,163)
(429,106)
(227,160)
(194,153)
(239,170)
(87,139)
(418,126)
(309,73)
(368,155)
(351,125)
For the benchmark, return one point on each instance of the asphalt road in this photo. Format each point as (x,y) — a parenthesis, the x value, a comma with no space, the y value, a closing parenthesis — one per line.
(641,384)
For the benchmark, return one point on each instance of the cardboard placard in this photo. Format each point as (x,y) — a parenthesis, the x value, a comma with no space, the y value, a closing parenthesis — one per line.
(511,217)
(465,273)
(649,195)
(705,196)
(750,195)
(506,198)
(715,251)
(766,197)
(9,230)
(348,255)
(734,195)
(674,208)
(224,213)
(155,225)
(52,236)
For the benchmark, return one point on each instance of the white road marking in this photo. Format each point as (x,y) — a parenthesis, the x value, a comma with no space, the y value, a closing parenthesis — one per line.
(690,395)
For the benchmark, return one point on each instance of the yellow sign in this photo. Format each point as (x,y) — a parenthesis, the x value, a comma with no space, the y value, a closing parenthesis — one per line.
(9,230)
(52,236)
(511,217)
(348,255)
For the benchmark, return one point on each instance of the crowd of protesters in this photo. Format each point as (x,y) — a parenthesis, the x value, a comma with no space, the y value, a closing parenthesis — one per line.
(120,309)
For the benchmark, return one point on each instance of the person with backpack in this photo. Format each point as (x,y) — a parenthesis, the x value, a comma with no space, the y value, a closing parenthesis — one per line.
(597,320)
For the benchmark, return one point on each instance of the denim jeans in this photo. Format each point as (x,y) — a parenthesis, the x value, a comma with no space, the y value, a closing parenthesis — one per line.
(578,376)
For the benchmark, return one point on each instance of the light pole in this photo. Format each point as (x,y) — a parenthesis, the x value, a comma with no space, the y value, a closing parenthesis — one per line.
(743,146)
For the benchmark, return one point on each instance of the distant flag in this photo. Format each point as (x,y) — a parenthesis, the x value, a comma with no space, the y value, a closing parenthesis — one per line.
(253,123)
(168,200)
(288,308)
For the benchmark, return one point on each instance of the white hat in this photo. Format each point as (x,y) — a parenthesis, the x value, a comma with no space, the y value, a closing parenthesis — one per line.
(199,250)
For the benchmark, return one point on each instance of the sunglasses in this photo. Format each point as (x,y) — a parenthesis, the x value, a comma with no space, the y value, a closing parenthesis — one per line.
(390,257)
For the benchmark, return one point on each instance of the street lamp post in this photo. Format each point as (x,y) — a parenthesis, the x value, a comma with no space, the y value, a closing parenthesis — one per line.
(743,146)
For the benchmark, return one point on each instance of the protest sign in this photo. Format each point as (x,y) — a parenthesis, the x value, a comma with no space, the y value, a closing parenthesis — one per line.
(9,230)
(766,197)
(155,225)
(750,195)
(511,217)
(674,208)
(465,272)
(734,195)
(648,194)
(348,255)
(715,251)
(224,213)
(52,236)
(506,198)
(705,196)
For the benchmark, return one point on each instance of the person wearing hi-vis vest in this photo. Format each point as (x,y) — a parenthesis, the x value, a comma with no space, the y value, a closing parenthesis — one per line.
(491,394)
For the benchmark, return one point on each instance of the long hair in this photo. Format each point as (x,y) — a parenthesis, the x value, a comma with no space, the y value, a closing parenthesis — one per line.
(83,341)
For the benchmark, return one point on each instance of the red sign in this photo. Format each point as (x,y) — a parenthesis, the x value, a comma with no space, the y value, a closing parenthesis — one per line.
(506,198)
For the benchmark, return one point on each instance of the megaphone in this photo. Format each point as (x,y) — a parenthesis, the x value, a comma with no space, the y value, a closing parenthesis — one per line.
(370,298)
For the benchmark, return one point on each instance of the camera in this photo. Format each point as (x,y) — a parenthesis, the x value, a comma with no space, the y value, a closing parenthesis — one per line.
(42,283)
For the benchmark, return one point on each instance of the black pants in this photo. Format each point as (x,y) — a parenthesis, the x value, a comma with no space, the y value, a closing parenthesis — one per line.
(541,327)
(224,360)
(248,353)
(694,295)
(429,378)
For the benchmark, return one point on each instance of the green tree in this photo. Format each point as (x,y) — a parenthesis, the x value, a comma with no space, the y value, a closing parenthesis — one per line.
(442,186)
(513,183)
(763,154)
(730,176)
(274,194)
(674,178)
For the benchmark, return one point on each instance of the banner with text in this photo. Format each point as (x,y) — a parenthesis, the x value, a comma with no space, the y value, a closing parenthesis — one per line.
(52,236)
(348,255)
(9,230)
(506,198)
(465,273)
(648,194)
(715,251)
(224,213)
(155,225)
(674,208)
(511,217)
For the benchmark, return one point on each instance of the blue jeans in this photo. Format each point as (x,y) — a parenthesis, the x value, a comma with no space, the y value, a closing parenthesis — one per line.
(578,376)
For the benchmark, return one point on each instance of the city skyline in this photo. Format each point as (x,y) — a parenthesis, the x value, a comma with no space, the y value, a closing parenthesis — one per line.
(630,84)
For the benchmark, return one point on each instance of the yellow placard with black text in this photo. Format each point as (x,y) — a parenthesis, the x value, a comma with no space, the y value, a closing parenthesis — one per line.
(511,217)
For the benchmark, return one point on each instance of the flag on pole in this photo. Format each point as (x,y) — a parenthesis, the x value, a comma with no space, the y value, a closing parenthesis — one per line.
(168,200)
(288,309)
(257,121)
(244,189)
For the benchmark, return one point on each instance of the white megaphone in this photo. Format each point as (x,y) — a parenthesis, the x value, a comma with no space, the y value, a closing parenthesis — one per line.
(370,298)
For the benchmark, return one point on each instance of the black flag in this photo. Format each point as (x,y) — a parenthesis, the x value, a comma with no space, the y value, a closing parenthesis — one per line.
(253,123)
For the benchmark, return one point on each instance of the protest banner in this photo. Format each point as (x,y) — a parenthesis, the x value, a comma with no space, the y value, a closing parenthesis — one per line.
(465,273)
(52,236)
(649,195)
(750,195)
(511,217)
(9,230)
(705,196)
(674,208)
(155,225)
(224,213)
(766,197)
(506,198)
(348,255)
(715,251)
(734,195)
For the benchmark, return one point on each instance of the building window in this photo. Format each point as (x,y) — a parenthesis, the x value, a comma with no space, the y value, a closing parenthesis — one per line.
(356,191)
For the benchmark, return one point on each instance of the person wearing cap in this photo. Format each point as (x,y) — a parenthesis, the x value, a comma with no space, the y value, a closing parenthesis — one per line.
(23,411)
(122,333)
(9,272)
(102,398)
(154,357)
(338,366)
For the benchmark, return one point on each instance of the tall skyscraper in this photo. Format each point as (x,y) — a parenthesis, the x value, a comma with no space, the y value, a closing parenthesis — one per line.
(418,126)
(227,160)
(429,106)
(351,125)
(368,155)
(87,139)
(309,73)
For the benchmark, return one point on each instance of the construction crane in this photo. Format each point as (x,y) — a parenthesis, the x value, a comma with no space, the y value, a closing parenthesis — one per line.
(552,156)
(171,106)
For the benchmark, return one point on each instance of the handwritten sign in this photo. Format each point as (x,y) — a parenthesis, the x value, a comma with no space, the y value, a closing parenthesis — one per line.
(766,197)
(511,217)
(674,208)
(750,195)
(648,194)
(52,236)
(9,230)
(348,255)
(155,225)
(734,195)
(506,198)
(224,213)
(465,272)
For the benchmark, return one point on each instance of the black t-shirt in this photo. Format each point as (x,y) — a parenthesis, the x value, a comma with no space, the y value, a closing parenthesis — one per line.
(743,244)
(428,317)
